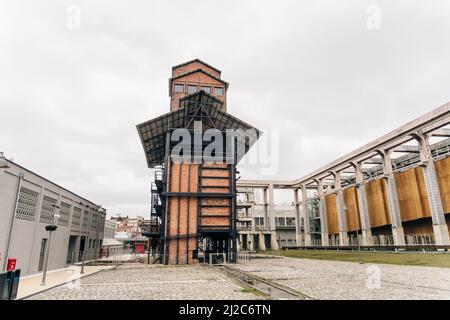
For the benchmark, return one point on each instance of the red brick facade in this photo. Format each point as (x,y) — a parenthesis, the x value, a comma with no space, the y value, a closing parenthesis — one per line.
(195,76)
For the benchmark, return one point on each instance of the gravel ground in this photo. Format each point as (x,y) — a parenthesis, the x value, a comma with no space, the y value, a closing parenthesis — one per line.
(135,282)
(324,279)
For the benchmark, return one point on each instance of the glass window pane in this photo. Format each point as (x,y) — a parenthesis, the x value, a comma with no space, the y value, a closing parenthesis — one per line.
(191,88)
(179,88)
(206,89)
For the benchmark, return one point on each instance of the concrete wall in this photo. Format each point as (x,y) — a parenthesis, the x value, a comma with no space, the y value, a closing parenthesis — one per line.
(30,220)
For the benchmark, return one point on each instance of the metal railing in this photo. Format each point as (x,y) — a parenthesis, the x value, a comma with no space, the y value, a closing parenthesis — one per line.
(419,239)
(113,258)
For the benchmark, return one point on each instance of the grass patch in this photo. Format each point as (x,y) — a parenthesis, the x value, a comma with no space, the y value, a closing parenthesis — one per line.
(255,292)
(405,258)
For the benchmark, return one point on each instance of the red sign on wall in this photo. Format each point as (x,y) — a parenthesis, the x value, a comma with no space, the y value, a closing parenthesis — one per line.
(139,248)
(11,266)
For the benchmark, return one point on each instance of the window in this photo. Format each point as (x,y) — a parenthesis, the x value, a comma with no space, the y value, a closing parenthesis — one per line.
(179,87)
(191,88)
(290,221)
(259,221)
(218,92)
(206,89)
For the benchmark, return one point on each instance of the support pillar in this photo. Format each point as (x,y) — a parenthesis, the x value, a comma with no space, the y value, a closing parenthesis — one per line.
(250,244)
(340,206)
(271,211)
(440,229)
(238,242)
(266,208)
(323,214)
(394,208)
(261,242)
(273,241)
(297,218)
(305,216)
(362,206)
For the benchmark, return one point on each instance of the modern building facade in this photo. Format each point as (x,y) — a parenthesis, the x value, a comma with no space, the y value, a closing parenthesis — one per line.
(254,225)
(28,202)
(394,191)
(193,199)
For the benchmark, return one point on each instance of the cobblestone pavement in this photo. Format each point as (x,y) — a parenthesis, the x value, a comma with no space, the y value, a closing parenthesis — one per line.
(150,282)
(324,279)
(319,279)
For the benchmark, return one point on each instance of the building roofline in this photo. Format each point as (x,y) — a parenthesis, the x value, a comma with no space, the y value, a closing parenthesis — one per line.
(196,60)
(199,70)
(45,179)
(192,72)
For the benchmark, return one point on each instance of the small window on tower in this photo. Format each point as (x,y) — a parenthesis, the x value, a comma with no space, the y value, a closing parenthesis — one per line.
(191,89)
(219,91)
(206,89)
(179,87)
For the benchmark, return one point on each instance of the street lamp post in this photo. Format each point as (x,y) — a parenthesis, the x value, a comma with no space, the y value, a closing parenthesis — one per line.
(50,228)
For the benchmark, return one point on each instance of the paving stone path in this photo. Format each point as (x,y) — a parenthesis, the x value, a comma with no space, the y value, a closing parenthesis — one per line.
(319,279)
(150,282)
(324,279)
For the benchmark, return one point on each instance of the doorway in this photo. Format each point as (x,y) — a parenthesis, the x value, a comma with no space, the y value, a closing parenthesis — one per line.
(71,250)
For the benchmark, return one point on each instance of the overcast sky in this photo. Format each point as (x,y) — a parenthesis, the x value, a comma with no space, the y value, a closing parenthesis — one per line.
(330,75)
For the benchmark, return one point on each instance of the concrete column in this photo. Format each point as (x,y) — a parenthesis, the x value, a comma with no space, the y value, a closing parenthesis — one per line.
(271,211)
(362,206)
(394,209)
(273,241)
(323,214)
(266,208)
(340,206)
(250,244)
(238,242)
(297,218)
(440,229)
(261,242)
(305,215)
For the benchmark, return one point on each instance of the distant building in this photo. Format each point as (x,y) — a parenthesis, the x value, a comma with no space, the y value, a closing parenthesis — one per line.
(128,232)
(28,203)
(254,232)
(111,247)
(110,229)
(130,226)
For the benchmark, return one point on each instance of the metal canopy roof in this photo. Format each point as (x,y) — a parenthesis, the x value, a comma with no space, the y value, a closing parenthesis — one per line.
(197,106)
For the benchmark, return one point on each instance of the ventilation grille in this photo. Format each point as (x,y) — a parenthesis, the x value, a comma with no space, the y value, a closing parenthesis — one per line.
(27,204)
(85,219)
(76,218)
(64,213)
(94,222)
(47,209)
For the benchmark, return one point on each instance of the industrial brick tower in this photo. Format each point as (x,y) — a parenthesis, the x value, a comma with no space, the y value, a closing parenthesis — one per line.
(193,217)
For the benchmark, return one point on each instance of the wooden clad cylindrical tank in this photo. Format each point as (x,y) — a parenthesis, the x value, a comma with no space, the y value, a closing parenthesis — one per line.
(332,219)
(377,203)
(412,194)
(352,216)
(443,175)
